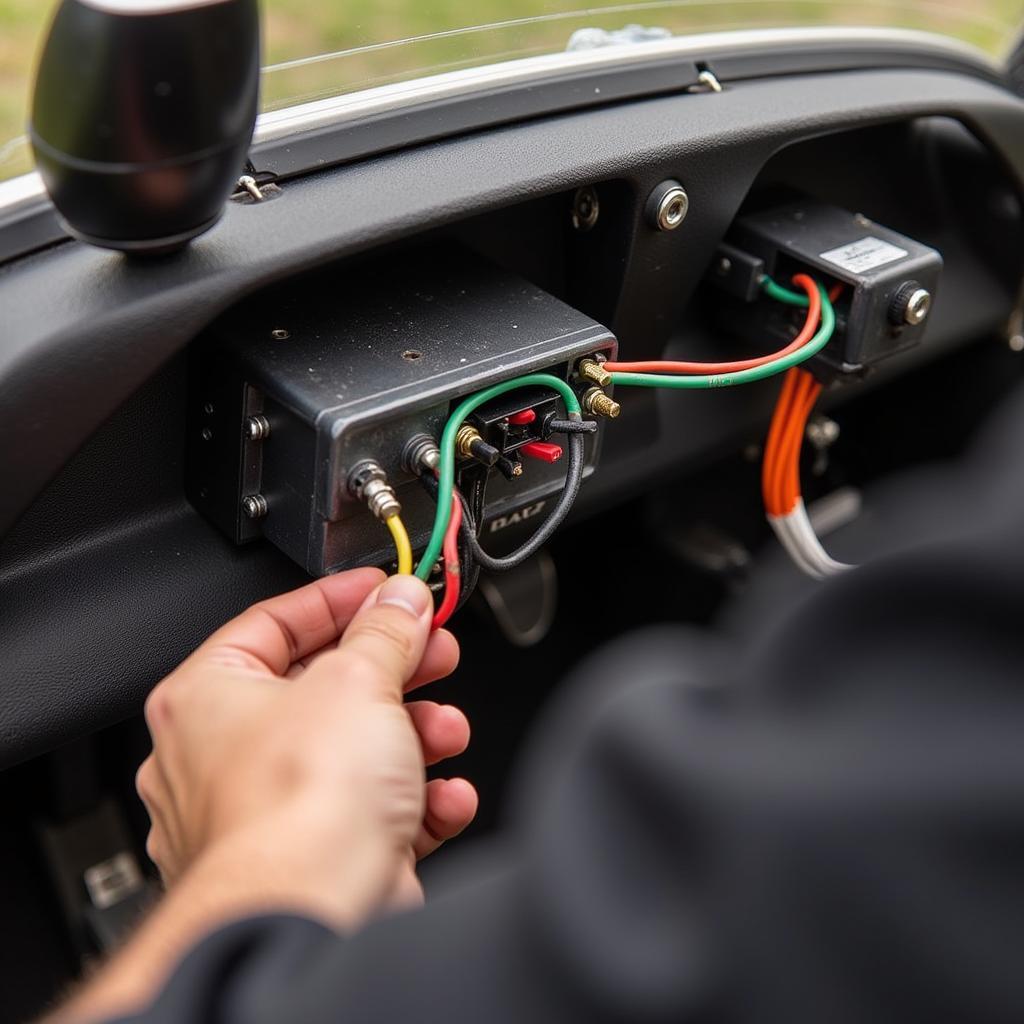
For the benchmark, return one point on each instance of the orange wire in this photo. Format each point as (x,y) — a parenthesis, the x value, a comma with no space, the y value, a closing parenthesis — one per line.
(671,366)
(793,442)
(779,416)
(780,471)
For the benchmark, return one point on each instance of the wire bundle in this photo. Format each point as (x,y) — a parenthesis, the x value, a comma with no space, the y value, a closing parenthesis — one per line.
(780,477)
(781,473)
(456,522)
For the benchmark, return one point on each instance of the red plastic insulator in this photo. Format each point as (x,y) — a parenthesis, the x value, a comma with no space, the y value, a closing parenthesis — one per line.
(520,419)
(543,450)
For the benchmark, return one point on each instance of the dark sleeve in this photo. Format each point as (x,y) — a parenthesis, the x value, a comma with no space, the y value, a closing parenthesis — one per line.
(827,828)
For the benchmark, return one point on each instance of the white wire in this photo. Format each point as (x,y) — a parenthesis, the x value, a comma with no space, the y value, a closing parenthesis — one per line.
(797,536)
(783,527)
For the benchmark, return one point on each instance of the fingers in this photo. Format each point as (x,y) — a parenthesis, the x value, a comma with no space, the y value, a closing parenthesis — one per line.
(451,806)
(383,645)
(440,659)
(273,634)
(443,729)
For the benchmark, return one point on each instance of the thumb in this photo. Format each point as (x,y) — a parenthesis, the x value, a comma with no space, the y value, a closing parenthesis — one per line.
(384,643)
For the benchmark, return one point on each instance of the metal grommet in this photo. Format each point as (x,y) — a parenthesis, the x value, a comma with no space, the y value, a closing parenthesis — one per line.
(667,206)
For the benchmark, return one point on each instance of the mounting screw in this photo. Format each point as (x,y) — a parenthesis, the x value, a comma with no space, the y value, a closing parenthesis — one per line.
(257,428)
(667,206)
(254,506)
(910,305)
(585,208)
(280,334)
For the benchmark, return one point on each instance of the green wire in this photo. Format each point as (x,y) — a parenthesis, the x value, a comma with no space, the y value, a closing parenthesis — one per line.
(780,294)
(446,472)
(755,373)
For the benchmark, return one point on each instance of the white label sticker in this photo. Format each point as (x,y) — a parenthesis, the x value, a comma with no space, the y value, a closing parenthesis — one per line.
(864,254)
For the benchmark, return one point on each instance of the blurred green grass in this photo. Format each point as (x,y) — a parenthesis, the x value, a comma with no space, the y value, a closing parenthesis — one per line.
(377,40)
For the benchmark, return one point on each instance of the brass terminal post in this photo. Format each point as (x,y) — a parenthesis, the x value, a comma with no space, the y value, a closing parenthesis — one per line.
(597,403)
(470,445)
(592,370)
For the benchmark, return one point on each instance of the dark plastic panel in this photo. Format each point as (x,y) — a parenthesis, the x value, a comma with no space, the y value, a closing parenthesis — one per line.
(111,577)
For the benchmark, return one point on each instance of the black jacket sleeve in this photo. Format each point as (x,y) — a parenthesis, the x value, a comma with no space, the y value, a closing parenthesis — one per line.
(827,827)
(828,830)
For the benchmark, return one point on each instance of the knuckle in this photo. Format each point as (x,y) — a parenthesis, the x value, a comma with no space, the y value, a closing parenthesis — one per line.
(388,628)
(156,709)
(154,850)
(144,781)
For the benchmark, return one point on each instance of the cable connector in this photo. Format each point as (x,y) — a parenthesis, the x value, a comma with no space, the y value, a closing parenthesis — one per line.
(470,445)
(421,454)
(368,482)
(510,469)
(597,403)
(592,370)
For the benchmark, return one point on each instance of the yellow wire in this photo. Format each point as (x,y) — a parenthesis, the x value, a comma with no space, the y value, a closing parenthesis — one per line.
(402,545)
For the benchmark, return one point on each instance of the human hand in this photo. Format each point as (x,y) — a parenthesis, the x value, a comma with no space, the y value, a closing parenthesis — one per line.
(285,761)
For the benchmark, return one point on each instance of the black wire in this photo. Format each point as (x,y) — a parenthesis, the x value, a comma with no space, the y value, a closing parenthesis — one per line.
(472,517)
(573,479)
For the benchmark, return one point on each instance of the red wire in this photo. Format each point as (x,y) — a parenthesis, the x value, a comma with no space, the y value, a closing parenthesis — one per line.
(671,366)
(452,570)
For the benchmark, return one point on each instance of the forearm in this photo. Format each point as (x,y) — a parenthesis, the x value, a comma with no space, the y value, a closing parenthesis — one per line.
(250,876)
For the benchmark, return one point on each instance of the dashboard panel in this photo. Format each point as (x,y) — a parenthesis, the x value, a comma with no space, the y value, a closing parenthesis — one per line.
(109,574)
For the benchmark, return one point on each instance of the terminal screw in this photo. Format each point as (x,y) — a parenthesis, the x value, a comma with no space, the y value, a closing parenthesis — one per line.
(590,369)
(368,482)
(597,403)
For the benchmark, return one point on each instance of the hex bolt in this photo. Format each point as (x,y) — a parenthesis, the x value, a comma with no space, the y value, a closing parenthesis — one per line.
(257,428)
(254,506)
(597,403)
(667,206)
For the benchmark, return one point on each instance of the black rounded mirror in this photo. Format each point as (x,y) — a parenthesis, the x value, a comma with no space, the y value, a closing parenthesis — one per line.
(143,114)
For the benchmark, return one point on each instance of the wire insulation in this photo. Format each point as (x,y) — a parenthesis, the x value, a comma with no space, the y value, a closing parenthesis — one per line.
(402,546)
(555,518)
(673,366)
(452,569)
(756,373)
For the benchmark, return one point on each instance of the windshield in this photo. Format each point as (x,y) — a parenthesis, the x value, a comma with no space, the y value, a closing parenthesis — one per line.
(318,48)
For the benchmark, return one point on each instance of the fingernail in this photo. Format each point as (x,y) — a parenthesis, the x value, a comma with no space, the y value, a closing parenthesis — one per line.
(405,592)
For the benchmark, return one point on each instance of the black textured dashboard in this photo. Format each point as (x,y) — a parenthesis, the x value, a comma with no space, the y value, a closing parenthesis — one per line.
(109,576)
